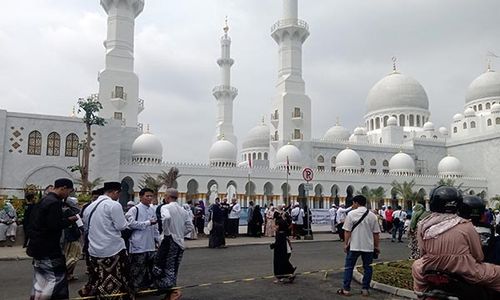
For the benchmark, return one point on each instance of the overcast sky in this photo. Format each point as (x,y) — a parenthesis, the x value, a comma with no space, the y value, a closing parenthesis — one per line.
(51,51)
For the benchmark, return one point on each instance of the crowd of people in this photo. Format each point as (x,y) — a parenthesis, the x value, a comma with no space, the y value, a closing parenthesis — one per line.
(141,248)
(124,251)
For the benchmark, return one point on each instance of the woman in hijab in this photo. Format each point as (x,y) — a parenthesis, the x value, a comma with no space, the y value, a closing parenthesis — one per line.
(191,235)
(283,269)
(270,226)
(418,214)
(257,221)
(216,238)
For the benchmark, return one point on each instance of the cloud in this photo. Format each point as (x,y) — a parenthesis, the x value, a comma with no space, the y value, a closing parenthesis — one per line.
(52,51)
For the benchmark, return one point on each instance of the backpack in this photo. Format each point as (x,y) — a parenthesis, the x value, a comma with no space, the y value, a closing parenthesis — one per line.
(127,233)
(158,217)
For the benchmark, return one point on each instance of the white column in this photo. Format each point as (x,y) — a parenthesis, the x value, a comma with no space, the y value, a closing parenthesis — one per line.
(290,9)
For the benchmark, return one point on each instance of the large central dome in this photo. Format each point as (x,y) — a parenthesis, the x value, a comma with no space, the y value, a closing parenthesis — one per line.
(487,85)
(396,91)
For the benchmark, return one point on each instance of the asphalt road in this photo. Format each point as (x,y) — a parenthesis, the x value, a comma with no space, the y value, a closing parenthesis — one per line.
(205,265)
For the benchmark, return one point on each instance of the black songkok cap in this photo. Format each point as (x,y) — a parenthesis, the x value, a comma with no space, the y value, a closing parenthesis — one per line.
(112,186)
(63,182)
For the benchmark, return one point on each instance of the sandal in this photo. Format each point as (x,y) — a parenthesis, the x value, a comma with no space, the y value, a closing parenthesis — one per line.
(343,292)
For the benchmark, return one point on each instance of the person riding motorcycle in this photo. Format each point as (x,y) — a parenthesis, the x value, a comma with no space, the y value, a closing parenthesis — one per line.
(449,243)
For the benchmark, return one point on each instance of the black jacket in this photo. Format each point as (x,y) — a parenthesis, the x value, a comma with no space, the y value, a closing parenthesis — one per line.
(45,228)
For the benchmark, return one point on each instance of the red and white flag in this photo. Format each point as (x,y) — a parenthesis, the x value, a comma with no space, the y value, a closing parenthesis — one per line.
(287,166)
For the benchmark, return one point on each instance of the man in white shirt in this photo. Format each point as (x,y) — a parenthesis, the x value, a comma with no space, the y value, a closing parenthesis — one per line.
(333,218)
(341,215)
(143,241)
(104,221)
(361,239)
(398,223)
(297,215)
(381,212)
(176,225)
(234,218)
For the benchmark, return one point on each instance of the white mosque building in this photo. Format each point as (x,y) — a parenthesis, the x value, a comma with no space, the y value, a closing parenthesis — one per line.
(397,143)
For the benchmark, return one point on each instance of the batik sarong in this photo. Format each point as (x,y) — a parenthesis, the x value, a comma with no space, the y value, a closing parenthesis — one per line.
(141,268)
(108,276)
(167,264)
(49,279)
(72,251)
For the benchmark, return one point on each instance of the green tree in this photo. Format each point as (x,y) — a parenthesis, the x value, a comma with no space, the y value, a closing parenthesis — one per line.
(90,107)
(169,179)
(373,194)
(405,191)
(150,182)
(451,182)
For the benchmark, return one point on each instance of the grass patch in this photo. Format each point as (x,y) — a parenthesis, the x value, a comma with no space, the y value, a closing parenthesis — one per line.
(397,274)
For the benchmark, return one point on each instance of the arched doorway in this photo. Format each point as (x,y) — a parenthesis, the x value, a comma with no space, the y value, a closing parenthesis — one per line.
(192,190)
(335,195)
(285,191)
(127,193)
(349,196)
(268,192)
(212,191)
(318,197)
(249,192)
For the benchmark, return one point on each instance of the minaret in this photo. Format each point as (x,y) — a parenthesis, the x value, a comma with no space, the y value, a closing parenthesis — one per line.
(225,93)
(118,84)
(291,114)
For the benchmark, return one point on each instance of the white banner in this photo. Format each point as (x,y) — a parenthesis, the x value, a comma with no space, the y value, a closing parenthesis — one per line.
(320,216)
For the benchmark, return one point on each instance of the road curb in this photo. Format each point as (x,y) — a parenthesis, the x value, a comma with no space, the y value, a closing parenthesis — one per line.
(384,287)
(15,258)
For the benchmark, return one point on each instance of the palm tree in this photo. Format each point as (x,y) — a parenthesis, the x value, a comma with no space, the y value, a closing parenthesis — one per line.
(451,182)
(405,191)
(151,182)
(372,195)
(91,184)
(169,179)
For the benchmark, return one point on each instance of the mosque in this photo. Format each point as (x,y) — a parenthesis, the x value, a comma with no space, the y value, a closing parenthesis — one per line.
(398,142)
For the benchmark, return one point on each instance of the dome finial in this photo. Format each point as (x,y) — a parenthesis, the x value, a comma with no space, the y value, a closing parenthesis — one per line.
(73,113)
(488,60)
(147,128)
(226,27)
(394,69)
(337,122)
(222,136)
(263,122)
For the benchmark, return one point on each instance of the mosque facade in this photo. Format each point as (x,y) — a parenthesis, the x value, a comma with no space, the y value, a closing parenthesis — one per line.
(398,142)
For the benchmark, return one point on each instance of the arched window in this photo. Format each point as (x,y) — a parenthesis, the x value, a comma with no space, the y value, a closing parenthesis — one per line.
(265,156)
(480,107)
(385,163)
(362,162)
(373,162)
(423,136)
(259,155)
(412,120)
(402,120)
(35,143)
(71,145)
(464,125)
(53,144)
(475,108)
(254,156)
(334,160)
(472,124)
(385,120)
(497,121)
(418,121)
(245,156)
(455,129)
(371,124)
(489,122)
(321,159)
(377,123)
(488,105)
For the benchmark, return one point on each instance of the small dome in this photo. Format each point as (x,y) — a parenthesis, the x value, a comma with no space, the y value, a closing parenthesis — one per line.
(359,131)
(401,163)
(336,133)
(487,85)
(223,153)
(458,117)
(429,126)
(257,137)
(397,91)
(450,166)
(495,108)
(348,160)
(292,153)
(469,112)
(392,121)
(147,148)
(443,130)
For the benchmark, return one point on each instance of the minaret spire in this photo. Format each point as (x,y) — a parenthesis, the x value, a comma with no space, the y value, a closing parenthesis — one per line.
(291,112)
(118,84)
(225,93)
